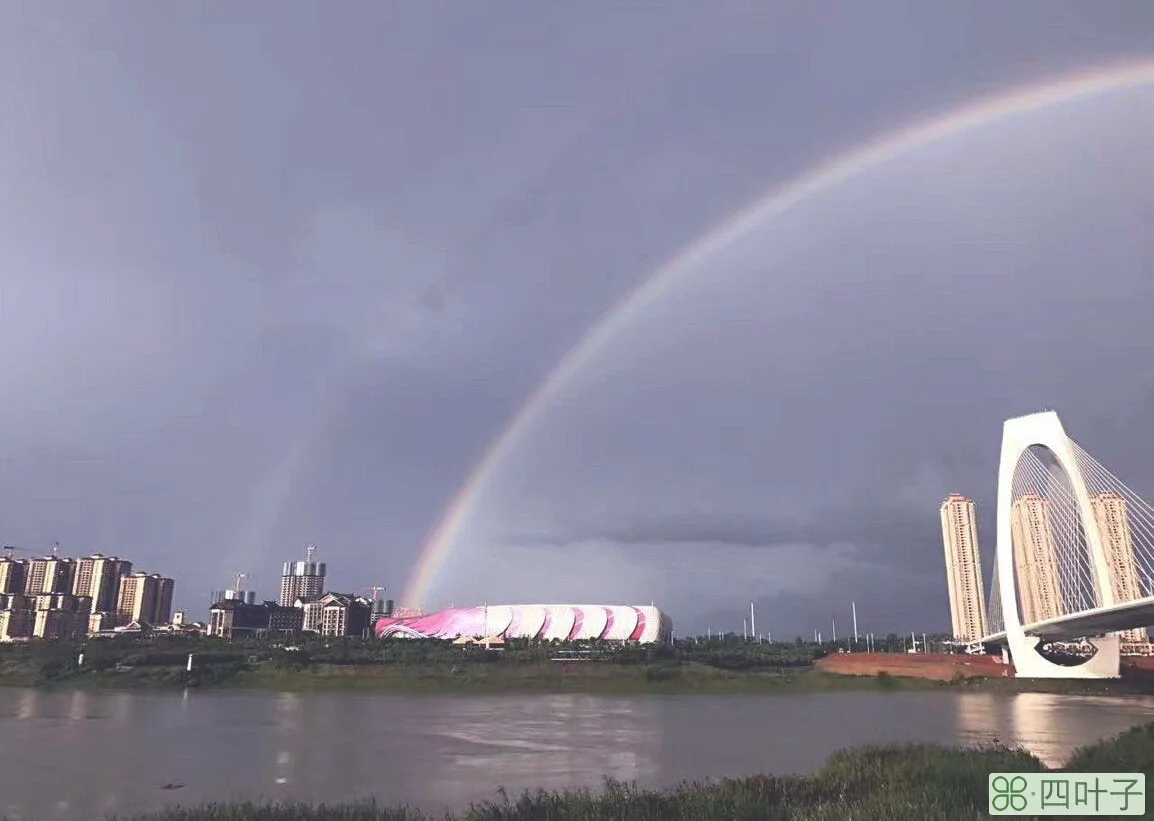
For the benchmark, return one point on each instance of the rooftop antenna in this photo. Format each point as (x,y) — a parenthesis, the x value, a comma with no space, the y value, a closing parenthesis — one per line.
(310,551)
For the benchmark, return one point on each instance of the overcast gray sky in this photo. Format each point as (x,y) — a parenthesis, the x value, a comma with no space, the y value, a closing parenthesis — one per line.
(279,272)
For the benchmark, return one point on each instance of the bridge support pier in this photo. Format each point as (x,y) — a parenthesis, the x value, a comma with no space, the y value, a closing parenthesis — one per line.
(1029,663)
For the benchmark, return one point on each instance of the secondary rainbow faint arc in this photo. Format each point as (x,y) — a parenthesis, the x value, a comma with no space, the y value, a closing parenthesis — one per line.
(824,177)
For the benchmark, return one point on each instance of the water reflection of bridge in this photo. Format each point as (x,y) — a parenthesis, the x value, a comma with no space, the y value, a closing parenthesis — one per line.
(1049,726)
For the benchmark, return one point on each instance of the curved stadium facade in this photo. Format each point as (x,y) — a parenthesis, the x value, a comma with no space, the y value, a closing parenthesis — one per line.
(545,622)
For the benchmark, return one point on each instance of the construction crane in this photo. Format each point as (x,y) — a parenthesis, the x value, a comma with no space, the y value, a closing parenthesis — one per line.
(310,552)
(375,592)
(240,577)
(10,549)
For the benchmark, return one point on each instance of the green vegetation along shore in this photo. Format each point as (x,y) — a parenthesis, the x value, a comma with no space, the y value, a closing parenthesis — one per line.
(908,783)
(406,666)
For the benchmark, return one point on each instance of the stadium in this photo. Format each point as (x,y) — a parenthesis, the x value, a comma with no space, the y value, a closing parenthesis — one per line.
(544,622)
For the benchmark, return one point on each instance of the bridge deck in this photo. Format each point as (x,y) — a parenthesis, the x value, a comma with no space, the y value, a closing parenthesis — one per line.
(1138,613)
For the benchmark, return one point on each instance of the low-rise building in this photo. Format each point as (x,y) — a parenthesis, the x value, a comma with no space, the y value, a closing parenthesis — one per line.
(233,618)
(104,621)
(336,614)
(312,613)
(344,614)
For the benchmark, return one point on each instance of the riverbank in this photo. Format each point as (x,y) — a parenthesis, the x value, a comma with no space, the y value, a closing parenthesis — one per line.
(907,783)
(720,667)
(434,678)
(685,678)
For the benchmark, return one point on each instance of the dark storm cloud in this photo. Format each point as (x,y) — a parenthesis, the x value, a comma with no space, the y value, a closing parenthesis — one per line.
(861,552)
(875,526)
(272,274)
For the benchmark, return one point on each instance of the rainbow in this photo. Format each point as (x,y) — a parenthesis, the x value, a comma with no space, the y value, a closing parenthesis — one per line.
(824,177)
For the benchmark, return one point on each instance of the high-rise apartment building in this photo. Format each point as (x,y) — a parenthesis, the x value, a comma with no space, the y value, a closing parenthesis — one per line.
(163,613)
(1111,514)
(302,580)
(1035,559)
(98,577)
(145,597)
(13,575)
(963,568)
(50,574)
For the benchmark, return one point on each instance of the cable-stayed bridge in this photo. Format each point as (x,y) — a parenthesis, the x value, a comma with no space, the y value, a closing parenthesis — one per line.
(1074,556)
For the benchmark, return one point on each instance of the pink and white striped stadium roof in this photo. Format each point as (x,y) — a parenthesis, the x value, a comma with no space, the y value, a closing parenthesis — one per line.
(562,622)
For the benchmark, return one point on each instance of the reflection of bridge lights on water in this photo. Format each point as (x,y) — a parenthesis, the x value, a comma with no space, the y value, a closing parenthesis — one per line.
(284,761)
(1036,722)
(26,705)
(78,706)
(1048,726)
(550,742)
(288,713)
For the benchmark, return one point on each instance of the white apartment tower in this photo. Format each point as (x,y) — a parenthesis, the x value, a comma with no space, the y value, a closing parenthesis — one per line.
(1036,559)
(963,568)
(1111,515)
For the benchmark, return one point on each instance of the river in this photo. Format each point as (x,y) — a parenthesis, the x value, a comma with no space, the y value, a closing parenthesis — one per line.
(78,755)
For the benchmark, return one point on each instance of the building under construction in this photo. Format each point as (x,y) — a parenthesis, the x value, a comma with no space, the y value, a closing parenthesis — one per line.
(302,580)
(236,593)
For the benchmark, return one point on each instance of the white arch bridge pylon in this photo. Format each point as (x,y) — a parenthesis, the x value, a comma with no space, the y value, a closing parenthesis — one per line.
(1074,556)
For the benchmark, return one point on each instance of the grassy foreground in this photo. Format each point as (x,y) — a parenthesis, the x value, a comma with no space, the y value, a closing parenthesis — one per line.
(904,783)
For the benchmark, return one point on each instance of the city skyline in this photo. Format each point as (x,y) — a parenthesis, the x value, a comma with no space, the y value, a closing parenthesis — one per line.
(60,597)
